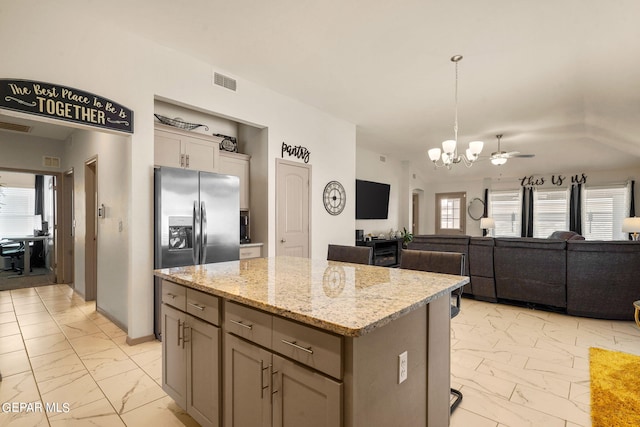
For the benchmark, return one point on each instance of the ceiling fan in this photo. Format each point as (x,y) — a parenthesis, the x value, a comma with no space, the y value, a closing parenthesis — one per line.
(500,157)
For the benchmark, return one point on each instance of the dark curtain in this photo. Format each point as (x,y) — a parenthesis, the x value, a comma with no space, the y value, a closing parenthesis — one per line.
(632,209)
(39,187)
(485,214)
(526,229)
(37,251)
(575,209)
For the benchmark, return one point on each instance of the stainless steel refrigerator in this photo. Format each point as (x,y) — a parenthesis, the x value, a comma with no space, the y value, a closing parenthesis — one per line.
(196,221)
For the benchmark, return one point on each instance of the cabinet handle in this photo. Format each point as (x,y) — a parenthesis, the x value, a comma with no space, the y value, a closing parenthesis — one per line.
(180,326)
(181,160)
(272,374)
(299,347)
(187,160)
(241,324)
(198,306)
(184,332)
(173,296)
(262,386)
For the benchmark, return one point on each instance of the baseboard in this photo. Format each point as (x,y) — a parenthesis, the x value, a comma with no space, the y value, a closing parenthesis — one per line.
(140,340)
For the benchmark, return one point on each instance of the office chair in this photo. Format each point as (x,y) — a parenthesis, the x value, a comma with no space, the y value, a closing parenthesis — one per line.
(14,253)
(353,254)
(439,262)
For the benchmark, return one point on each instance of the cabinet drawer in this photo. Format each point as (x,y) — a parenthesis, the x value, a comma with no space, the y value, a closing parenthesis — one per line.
(203,306)
(312,347)
(174,295)
(250,252)
(248,323)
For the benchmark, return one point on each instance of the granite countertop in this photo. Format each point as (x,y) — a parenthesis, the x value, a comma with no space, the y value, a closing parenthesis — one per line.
(346,299)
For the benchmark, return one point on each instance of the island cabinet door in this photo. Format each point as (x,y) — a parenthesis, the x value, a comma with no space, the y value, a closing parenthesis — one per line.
(302,397)
(174,360)
(203,372)
(247,384)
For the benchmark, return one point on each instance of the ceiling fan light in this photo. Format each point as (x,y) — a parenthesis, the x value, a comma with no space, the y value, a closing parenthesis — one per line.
(449,146)
(498,161)
(434,154)
(476,147)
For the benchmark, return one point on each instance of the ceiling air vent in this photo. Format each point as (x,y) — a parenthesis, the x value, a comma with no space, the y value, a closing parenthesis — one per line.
(51,162)
(14,127)
(224,81)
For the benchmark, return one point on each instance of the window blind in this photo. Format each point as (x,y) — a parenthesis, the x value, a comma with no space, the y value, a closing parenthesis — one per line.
(550,211)
(505,208)
(17,212)
(603,211)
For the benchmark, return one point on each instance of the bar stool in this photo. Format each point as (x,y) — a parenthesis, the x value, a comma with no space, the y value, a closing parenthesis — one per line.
(636,305)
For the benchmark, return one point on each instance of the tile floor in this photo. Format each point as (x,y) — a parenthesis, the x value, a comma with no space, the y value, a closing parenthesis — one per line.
(56,349)
(515,366)
(520,367)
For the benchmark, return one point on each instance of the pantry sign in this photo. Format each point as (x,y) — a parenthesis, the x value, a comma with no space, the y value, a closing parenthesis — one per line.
(64,103)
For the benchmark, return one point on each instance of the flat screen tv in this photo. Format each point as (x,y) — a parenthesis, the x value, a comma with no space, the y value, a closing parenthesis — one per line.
(372,200)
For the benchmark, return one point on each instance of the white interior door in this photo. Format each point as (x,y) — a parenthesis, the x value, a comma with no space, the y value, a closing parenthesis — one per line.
(293,181)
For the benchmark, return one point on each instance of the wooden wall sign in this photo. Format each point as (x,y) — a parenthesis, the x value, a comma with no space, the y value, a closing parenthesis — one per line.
(64,103)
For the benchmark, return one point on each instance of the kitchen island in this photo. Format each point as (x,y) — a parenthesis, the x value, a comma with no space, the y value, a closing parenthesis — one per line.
(293,341)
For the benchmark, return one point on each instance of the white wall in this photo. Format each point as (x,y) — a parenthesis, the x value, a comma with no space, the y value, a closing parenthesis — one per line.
(476,188)
(112,152)
(371,167)
(98,58)
(23,151)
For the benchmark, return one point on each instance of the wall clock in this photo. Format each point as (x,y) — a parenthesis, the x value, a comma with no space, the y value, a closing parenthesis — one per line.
(334,197)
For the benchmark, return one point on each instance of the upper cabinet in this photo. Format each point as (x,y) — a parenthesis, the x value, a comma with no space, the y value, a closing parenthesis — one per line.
(237,165)
(182,149)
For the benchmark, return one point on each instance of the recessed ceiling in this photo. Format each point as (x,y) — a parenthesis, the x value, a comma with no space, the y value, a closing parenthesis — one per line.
(557,80)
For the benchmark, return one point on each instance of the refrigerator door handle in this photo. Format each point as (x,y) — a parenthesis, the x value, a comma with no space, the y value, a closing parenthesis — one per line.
(196,233)
(203,213)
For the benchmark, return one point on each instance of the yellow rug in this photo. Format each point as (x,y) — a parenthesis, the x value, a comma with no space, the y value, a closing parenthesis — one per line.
(615,388)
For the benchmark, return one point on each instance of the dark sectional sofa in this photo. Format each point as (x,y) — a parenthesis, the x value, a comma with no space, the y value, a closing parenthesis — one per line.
(597,279)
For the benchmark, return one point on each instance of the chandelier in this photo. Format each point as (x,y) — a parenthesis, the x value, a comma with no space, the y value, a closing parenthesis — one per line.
(449,156)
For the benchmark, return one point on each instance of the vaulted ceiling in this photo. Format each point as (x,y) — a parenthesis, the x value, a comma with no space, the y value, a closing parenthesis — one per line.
(559,79)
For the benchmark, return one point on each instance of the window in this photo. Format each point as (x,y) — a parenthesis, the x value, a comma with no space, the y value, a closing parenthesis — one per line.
(550,211)
(16,212)
(603,211)
(505,207)
(450,213)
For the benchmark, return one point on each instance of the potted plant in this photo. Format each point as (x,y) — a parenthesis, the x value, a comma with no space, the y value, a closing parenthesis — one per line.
(407,237)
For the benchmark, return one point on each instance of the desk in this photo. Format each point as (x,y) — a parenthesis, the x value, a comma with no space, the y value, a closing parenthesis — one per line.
(27,249)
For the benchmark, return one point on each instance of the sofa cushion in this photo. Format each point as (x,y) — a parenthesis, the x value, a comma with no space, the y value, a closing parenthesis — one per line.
(530,243)
(566,235)
(481,256)
(531,270)
(603,278)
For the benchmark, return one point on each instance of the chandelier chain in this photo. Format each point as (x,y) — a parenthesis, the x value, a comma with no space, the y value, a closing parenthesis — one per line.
(455,124)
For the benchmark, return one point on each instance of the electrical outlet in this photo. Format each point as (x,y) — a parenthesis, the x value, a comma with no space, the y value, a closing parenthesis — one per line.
(403,367)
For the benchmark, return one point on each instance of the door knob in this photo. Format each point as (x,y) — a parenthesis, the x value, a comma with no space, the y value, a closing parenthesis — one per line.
(282,241)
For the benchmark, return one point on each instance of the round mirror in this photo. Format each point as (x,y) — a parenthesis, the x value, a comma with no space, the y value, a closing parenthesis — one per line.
(476,209)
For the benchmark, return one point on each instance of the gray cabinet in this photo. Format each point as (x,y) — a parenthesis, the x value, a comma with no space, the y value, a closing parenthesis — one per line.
(247,394)
(302,397)
(174,356)
(263,388)
(191,352)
